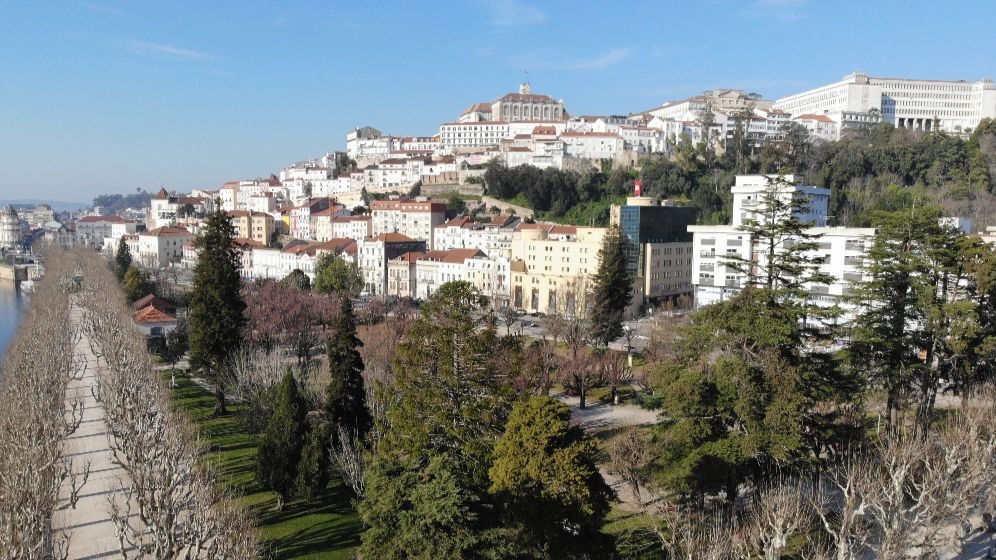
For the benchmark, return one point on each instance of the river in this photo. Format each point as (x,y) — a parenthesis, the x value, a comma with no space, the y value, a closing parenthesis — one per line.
(10,313)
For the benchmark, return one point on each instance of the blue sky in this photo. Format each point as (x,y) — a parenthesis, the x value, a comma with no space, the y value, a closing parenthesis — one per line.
(107,96)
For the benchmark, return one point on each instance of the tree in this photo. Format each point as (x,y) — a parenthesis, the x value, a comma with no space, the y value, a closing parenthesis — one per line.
(455,206)
(281,443)
(426,488)
(216,306)
(612,289)
(136,284)
(335,276)
(174,347)
(345,396)
(313,468)
(122,259)
(298,279)
(545,476)
(630,456)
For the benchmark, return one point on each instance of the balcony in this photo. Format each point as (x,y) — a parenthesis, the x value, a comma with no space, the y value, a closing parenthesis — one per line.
(853,261)
(852,277)
(854,246)
(707,254)
(732,282)
(706,281)
(734,243)
(707,267)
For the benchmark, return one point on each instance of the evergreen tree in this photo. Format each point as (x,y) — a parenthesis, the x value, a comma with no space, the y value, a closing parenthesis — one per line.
(346,397)
(280,446)
(313,468)
(335,276)
(122,259)
(136,284)
(427,485)
(298,279)
(787,262)
(546,478)
(613,288)
(216,306)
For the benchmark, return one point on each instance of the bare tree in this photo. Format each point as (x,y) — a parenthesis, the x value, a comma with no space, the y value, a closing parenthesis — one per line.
(347,458)
(582,373)
(630,456)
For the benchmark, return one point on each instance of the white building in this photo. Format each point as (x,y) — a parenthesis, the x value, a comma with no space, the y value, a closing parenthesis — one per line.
(592,145)
(162,246)
(954,106)
(415,218)
(494,238)
(840,250)
(10,228)
(373,255)
(165,208)
(436,268)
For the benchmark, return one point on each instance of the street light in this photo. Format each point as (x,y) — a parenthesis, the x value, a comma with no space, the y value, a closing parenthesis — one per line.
(628,333)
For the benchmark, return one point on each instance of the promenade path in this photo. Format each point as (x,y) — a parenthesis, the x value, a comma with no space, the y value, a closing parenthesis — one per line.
(91,532)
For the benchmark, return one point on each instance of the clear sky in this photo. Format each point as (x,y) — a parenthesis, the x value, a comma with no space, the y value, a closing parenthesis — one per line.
(107,96)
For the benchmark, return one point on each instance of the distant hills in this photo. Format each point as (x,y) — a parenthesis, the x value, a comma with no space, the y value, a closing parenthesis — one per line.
(57,205)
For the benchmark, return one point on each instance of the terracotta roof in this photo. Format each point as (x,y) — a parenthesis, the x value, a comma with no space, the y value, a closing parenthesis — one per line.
(150,314)
(461,255)
(154,301)
(338,244)
(459,221)
(410,256)
(162,194)
(518,149)
(343,219)
(408,205)
(569,230)
(245,242)
(392,238)
(167,231)
(818,118)
(501,220)
(545,130)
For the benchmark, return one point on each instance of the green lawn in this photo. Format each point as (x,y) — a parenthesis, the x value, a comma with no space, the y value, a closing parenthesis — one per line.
(326,527)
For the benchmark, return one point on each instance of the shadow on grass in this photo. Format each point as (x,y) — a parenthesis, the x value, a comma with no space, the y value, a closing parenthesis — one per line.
(324,527)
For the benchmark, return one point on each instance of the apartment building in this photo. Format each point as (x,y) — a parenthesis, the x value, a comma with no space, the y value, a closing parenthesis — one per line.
(374,253)
(840,251)
(549,263)
(494,238)
(416,218)
(257,226)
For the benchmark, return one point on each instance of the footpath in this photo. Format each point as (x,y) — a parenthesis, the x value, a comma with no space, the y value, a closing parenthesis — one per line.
(92,533)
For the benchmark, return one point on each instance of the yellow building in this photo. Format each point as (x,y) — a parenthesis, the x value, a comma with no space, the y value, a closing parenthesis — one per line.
(551,265)
(257,226)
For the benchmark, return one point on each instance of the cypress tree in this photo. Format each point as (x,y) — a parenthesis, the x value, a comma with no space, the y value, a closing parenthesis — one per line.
(613,288)
(346,398)
(313,468)
(216,306)
(280,446)
(122,260)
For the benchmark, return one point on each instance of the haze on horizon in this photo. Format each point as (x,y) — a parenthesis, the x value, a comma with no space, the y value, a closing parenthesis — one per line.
(108,96)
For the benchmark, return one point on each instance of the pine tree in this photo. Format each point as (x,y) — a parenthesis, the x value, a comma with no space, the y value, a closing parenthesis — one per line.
(313,468)
(122,259)
(545,475)
(136,284)
(280,446)
(335,276)
(216,306)
(613,288)
(346,398)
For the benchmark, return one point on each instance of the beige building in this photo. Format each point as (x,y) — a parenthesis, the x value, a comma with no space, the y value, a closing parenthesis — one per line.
(548,264)
(257,226)
(401,275)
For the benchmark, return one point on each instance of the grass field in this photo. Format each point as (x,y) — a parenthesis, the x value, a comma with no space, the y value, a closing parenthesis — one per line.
(326,527)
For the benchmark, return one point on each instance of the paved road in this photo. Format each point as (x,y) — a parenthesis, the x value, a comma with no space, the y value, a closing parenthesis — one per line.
(91,532)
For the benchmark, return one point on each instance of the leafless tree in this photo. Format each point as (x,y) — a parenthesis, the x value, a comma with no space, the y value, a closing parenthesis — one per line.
(630,456)
(582,373)
(171,507)
(616,372)
(347,459)
(36,416)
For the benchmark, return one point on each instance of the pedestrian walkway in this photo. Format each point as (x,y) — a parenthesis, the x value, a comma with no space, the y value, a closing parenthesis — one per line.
(91,532)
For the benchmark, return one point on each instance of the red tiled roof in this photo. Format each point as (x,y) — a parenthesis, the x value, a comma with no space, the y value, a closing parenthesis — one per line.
(339,245)
(461,255)
(393,238)
(459,221)
(154,301)
(150,314)
(344,219)
(410,256)
(162,194)
(167,231)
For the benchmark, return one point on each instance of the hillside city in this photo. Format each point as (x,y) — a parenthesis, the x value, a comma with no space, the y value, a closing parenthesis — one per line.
(724,327)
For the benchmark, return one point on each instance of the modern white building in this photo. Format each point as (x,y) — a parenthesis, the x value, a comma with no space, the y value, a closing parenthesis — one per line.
(840,251)
(954,106)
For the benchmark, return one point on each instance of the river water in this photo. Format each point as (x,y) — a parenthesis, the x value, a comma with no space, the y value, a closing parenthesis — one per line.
(10,313)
